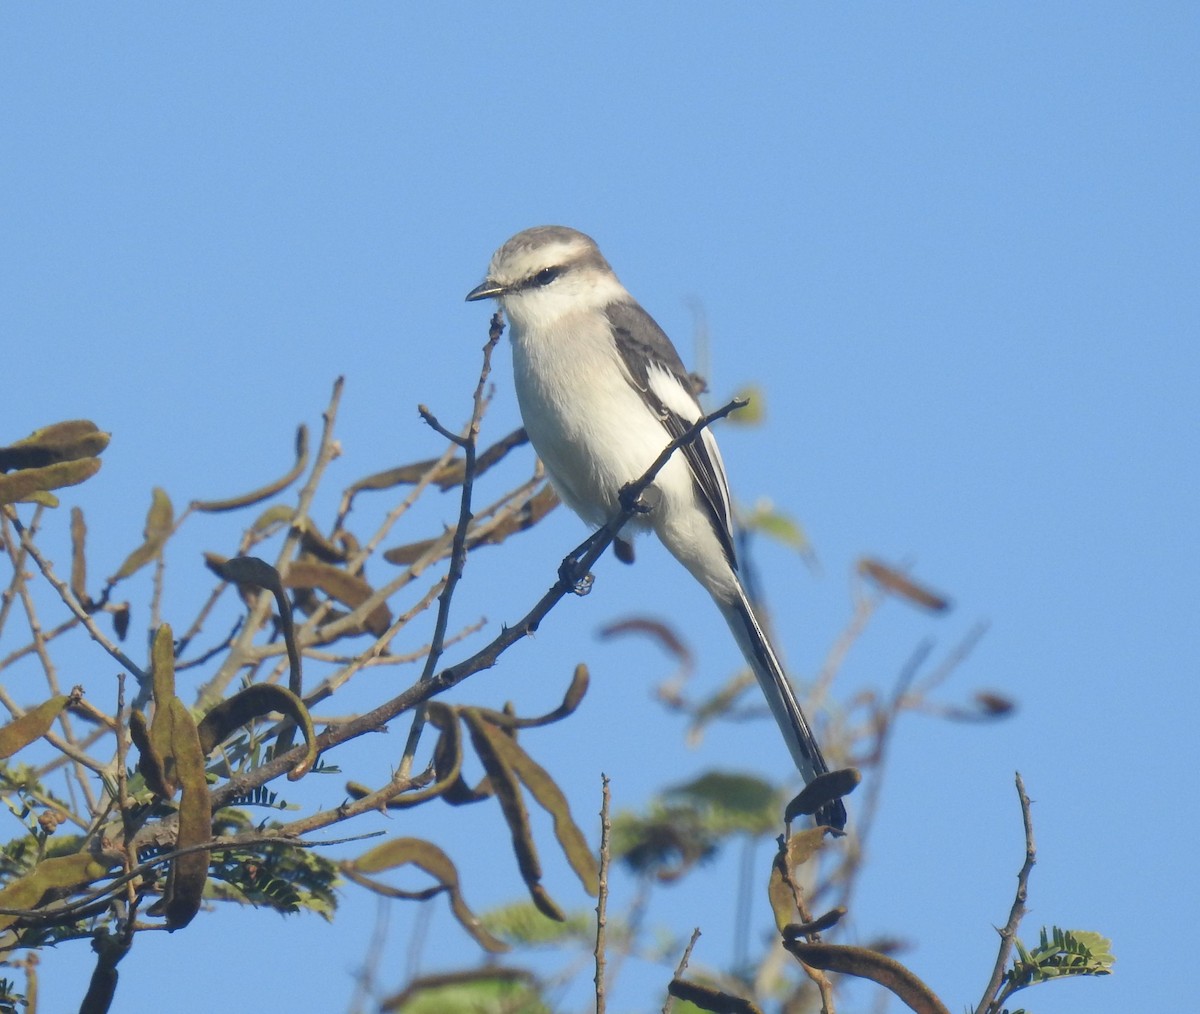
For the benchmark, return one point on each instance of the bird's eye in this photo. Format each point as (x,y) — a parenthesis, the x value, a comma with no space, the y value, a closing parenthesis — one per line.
(546,276)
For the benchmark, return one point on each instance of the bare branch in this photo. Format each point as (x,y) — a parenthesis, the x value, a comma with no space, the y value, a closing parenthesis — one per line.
(990,1002)
(68,597)
(602,898)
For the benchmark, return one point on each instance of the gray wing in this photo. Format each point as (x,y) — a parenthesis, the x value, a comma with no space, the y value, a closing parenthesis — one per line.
(644,345)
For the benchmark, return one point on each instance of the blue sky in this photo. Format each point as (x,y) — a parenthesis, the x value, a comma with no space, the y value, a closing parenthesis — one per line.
(956,245)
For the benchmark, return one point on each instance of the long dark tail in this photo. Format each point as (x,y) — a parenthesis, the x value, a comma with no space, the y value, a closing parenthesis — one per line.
(782,699)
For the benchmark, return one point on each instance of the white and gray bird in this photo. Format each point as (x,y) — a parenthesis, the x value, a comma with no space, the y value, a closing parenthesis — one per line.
(602,392)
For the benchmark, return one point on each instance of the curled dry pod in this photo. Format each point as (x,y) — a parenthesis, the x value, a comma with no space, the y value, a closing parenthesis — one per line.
(270,489)
(428,857)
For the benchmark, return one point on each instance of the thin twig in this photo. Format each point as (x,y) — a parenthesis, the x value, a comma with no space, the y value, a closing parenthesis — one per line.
(69,600)
(602,900)
(458,550)
(681,968)
(130,853)
(365,979)
(990,1002)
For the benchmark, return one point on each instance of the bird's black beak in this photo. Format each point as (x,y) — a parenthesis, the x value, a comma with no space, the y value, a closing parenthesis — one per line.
(485,290)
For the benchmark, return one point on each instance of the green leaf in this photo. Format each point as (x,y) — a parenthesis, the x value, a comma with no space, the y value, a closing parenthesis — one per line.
(731,802)
(1060,953)
(765,519)
(755,412)
(523,924)
(666,842)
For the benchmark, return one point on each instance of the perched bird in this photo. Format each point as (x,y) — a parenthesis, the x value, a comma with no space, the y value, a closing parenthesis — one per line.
(602,392)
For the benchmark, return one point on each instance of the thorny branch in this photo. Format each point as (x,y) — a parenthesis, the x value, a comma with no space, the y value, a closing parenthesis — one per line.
(990,1001)
(580,560)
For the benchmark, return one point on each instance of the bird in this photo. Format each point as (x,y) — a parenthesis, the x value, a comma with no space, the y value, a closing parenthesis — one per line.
(602,392)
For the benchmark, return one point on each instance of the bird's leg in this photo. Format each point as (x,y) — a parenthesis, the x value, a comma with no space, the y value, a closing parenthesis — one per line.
(572,571)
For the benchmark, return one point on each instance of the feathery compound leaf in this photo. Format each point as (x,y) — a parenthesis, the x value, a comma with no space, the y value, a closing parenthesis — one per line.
(1060,953)
(523,923)
(732,802)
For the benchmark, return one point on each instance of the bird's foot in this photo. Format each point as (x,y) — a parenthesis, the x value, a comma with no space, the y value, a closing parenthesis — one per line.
(635,503)
(572,573)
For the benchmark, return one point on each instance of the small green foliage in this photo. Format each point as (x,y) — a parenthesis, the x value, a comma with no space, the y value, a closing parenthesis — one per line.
(664,843)
(281,877)
(689,822)
(262,796)
(278,876)
(10,1000)
(493,990)
(731,802)
(1059,954)
(753,413)
(765,519)
(523,925)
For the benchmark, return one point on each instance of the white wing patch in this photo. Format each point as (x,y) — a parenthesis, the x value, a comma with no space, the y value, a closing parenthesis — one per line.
(681,410)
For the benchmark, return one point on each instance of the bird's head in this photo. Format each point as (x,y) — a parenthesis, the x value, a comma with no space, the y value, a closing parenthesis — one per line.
(546,273)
